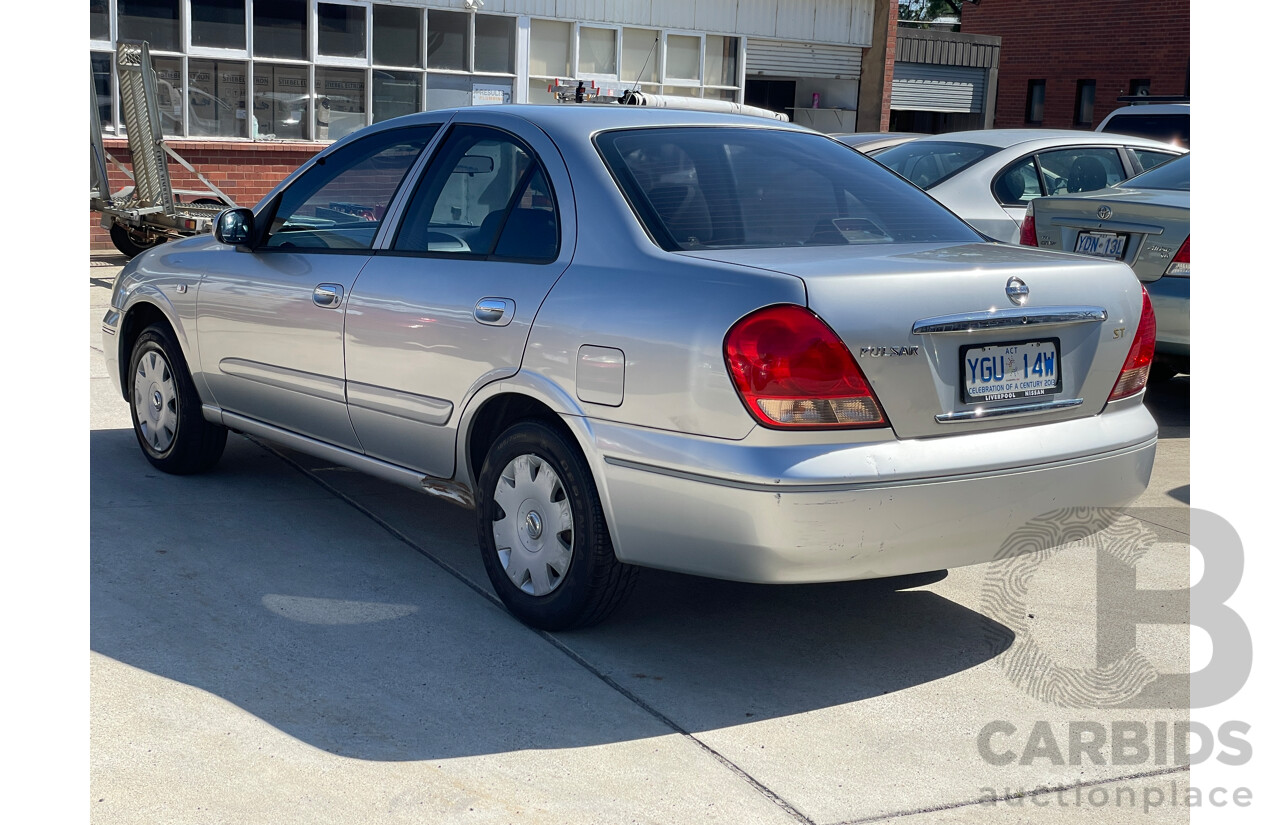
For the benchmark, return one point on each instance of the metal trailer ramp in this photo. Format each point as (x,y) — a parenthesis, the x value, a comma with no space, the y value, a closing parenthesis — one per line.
(147,213)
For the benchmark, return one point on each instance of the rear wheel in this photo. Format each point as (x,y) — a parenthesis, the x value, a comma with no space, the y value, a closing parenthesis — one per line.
(542,532)
(132,243)
(167,419)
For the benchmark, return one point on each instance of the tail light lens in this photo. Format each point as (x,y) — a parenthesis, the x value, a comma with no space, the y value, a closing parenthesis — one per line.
(1133,376)
(1027,236)
(792,371)
(1180,266)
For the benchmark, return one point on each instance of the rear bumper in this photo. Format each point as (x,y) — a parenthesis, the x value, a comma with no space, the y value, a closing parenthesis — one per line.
(840,512)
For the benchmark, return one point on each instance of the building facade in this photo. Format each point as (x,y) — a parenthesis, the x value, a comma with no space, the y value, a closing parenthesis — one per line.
(1062,65)
(248,87)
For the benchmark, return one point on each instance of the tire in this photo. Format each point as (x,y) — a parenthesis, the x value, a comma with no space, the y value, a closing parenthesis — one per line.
(165,408)
(128,243)
(542,532)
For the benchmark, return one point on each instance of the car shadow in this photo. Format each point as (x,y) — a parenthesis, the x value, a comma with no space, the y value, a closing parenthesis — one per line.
(1170,405)
(356,621)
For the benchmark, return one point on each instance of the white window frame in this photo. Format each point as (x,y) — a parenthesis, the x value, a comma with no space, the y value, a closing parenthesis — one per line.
(205,51)
(576,72)
(112,36)
(667,80)
(342,62)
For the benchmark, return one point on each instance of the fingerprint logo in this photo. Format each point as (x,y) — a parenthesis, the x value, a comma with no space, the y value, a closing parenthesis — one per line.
(1004,599)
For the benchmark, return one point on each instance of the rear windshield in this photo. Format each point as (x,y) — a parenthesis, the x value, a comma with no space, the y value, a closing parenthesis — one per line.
(1170,128)
(927,163)
(725,187)
(1176,174)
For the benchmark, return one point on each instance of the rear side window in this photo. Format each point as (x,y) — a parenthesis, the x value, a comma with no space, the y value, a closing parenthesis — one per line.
(1176,174)
(927,163)
(715,188)
(1080,169)
(1169,128)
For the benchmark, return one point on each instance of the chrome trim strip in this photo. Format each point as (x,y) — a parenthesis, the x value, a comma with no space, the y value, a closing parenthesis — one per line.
(1093,224)
(862,486)
(420,408)
(446,489)
(982,413)
(319,386)
(966,322)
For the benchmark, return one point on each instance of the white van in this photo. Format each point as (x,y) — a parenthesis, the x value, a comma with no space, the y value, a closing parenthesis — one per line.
(1168,122)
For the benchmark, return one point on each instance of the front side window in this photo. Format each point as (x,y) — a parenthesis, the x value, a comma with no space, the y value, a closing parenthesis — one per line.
(1081,169)
(339,205)
(485,195)
(706,188)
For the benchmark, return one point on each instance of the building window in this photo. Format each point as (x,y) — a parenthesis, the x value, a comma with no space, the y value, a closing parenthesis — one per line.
(1035,101)
(397,36)
(341,30)
(217,24)
(216,99)
(99,20)
(100,63)
(597,51)
(280,29)
(447,41)
(684,58)
(1085,90)
(155,21)
(495,44)
(281,103)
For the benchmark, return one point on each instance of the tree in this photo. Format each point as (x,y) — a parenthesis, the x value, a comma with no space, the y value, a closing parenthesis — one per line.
(927,9)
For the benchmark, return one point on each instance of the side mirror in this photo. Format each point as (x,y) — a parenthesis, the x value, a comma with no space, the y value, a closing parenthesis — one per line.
(234,227)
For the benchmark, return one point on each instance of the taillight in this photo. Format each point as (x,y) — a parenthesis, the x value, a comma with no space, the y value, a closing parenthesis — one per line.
(793,371)
(1133,376)
(1027,237)
(1180,266)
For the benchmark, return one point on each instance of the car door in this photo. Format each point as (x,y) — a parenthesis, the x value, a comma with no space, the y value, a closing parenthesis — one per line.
(1050,172)
(446,308)
(271,317)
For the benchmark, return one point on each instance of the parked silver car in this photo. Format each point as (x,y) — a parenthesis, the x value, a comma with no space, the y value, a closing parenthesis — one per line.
(1145,222)
(989,176)
(631,337)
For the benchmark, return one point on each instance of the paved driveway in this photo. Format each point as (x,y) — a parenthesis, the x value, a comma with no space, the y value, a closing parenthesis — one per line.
(286,641)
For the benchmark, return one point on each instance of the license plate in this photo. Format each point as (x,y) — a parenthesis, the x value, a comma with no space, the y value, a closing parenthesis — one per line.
(1015,370)
(1102,244)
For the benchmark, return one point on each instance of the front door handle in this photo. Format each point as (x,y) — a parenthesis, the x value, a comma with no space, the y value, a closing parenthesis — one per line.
(328,296)
(496,312)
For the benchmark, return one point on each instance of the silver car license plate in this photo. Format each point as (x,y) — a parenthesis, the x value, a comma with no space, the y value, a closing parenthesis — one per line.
(1101,244)
(1014,370)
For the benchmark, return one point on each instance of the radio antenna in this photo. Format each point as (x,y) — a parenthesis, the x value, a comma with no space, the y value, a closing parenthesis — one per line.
(646,62)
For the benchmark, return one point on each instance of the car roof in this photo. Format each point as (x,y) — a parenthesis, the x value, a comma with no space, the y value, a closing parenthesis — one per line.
(596,116)
(1006,138)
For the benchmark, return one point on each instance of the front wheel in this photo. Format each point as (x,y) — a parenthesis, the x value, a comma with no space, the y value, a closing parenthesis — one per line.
(542,532)
(171,429)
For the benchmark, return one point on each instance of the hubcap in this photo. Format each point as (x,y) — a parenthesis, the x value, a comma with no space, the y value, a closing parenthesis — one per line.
(533,530)
(155,401)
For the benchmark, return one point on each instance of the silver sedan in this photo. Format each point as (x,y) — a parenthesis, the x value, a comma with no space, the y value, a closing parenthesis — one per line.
(646,338)
(989,176)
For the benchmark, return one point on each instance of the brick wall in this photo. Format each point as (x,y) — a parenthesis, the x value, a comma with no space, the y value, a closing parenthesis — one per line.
(244,171)
(1102,40)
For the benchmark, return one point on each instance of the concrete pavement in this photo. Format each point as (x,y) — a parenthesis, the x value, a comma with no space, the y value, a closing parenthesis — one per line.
(285,641)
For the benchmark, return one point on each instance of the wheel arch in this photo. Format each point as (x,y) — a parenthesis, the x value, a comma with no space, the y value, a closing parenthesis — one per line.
(527,397)
(141,313)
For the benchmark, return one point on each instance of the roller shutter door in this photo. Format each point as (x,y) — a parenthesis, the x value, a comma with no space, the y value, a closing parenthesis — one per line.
(923,87)
(783,59)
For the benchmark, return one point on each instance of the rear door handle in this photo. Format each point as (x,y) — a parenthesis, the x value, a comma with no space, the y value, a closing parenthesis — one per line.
(496,312)
(328,296)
